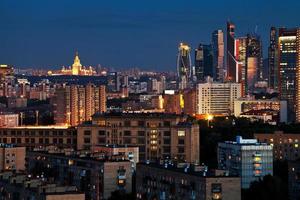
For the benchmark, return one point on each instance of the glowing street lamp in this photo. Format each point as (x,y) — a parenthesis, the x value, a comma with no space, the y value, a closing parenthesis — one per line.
(209,118)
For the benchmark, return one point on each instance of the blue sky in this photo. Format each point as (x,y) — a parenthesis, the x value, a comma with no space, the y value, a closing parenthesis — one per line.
(126,33)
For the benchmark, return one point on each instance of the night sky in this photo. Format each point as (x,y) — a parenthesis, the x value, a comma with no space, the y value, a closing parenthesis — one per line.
(126,33)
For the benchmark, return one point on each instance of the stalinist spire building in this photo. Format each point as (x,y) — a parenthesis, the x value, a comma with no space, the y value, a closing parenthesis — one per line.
(77,68)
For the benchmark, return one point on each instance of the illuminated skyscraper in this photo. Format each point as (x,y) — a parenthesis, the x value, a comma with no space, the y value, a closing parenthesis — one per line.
(218,54)
(203,62)
(272,60)
(240,55)
(230,60)
(287,60)
(184,65)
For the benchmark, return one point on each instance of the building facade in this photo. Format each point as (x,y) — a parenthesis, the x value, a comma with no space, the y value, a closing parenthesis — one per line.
(95,177)
(75,104)
(273,59)
(184,65)
(39,136)
(218,55)
(157,135)
(294,179)
(230,60)
(9,120)
(12,157)
(217,98)
(203,62)
(154,181)
(246,158)
(286,146)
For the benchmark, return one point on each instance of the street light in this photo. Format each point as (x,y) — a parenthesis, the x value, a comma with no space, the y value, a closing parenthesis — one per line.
(209,118)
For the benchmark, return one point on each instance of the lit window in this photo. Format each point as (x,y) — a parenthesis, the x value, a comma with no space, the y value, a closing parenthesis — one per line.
(181,133)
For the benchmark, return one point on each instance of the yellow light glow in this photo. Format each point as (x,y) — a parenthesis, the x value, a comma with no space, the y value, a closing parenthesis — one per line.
(209,117)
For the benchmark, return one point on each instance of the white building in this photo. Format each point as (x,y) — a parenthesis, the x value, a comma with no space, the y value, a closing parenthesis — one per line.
(246,158)
(217,98)
(261,109)
(9,120)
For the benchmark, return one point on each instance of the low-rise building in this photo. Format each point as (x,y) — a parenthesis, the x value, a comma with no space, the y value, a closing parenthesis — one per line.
(246,158)
(294,179)
(286,146)
(157,135)
(154,181)
(261,108)
(8,120)
(96,177)
(39,136)
(12,157)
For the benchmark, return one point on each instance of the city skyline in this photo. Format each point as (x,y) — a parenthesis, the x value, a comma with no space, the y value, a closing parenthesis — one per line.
(47,33)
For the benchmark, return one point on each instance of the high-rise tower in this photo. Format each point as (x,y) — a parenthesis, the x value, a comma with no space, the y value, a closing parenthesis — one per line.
(184,65)
(230,60)
(203,62)
(272,59)
(218,54)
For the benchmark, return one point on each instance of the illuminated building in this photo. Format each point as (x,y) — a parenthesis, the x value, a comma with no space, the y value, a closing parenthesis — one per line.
(39,136)
(286,146)
(252,67)
(12,157)
(75,104)
(190,103)
(218,55)
(273,59)
(216,98)
(246,158)
(158,135)
(5,70)
(231,63)
(8,120)
(203,62)
(256,108)
(287,60)
(294,179)
(240,59)
(95,176)
(171,103)
(77,69)
(188,182)
(184,65)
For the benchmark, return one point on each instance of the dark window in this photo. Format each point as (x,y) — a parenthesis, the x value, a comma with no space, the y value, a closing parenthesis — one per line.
(127,123)
(13,140)
(13,132)
(46,132)
(40,140)
(60,141)
(167,123)
(46,140)
(127,133)
(141,133)
(69,141)
(167,133)
(32,140)
(180,149)
(32,133)
(127,140)
(141,141)
(19,132)
(101,140)
(54,140)
(26,132)
(87,140)
(26,140)
(101,133)
(19,141)
(54,133)
(167,141)
(167,149)
(40,133)
(180,141)
(141,123)
(87,132)
(61,133)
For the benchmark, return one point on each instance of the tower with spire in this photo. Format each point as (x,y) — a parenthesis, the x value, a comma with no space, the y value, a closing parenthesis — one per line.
(76,67)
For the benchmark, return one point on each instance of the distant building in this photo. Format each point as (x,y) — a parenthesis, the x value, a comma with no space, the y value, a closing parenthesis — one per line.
(217,98)
(154,181)
(75,104)
(287,62)
(218,55)
(172,103)
(184,65)
(259,108)
(24,186)
(294,179)
(286,146)
(190,101)
(77,69)
(5,70)
(230,60)
(39,136)
(246,158)
(9,120)
(273,59)
(203,62)
(97,178)
(158,135)
(16,102)
(12,157)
